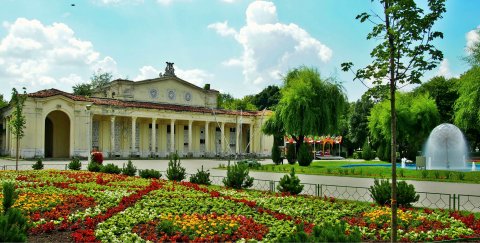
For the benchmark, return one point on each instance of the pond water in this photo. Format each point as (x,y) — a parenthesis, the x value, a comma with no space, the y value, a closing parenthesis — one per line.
(409,166)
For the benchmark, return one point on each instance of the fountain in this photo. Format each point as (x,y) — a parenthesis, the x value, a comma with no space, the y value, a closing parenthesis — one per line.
(446,148)
(404,160)
(474,168)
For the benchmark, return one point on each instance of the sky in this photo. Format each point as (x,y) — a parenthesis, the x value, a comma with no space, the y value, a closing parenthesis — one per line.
(238,46)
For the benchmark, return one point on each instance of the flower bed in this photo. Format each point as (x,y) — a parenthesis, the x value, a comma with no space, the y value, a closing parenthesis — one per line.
(87,207)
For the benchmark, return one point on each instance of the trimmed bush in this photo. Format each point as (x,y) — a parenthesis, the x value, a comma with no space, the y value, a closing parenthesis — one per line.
(381,192)
(13,225)
(305,156)
(94,167)
(237,177)
(328,232)
(97,157)
(150,173)
(129,170)
(367,152)
(111,169)
(276,155)
(75,164)
(291,155)
(290,183)
(175,171)
(201,177)
(38,165)
(250,163)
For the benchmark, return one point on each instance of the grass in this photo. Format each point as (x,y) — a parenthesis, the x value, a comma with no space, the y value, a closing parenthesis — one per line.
(334,168)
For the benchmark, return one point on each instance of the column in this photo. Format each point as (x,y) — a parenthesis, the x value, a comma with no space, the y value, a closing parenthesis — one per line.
(206,138)
(190,138)
(222,137)
(112,135)
(90,136)
(7,141)
(154,133)
(134,135)
(172,136)
(251,138)
(237,140)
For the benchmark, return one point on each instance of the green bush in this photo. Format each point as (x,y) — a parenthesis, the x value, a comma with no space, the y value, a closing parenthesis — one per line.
(436,174)
(250,163)
(367,152)
(237,177)
(305,156)
(447,174)
(129,170)
(461,176)
(201,177)
(328,232)
(276,155)
(111,169)
(38,165)
(357,155)
(381,192)
(290,183)
(425,174)
(291,155)
(75,164)
(94,167)
(13,225)
(175,171)
(149,173)
(383,152)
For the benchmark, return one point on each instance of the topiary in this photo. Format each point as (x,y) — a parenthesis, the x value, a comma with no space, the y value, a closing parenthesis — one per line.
(201,177)
(381,192)
(291,155)
(175,171)
(129,170)
(305,156)
(290,183)
(38,165)
(111,169)
(75,164)
(237,177)
(276,155)
(150,173)
(94,167)
(367,152)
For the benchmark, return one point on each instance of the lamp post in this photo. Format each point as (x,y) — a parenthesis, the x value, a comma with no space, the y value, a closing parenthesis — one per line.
(89,144)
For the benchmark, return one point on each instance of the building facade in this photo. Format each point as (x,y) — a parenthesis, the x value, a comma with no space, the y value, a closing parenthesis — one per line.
(149,118)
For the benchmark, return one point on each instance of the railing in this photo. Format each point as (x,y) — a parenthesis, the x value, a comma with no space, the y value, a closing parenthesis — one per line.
(58,166)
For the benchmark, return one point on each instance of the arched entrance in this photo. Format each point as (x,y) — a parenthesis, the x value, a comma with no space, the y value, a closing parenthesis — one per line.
(57,135)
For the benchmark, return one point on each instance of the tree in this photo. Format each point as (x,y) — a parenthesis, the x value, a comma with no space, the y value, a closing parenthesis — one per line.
(98,80)
(3,102)
(404,53)
(268,98)
(474,54)
(226,101)
(17,124)
(309,105)
(445,93)
(358,121)
(82,89)
(467,106)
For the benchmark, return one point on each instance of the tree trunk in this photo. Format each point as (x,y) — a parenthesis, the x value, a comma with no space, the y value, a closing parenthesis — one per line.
(299,141)
(16,154)
(393,139)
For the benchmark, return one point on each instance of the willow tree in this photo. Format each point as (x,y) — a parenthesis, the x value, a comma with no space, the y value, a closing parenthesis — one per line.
(405,51)
(309,105)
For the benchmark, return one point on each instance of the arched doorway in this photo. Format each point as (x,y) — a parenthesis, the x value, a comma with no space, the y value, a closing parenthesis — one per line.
(57,135)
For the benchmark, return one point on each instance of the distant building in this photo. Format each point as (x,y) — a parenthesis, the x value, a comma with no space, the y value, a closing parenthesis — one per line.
(146,118)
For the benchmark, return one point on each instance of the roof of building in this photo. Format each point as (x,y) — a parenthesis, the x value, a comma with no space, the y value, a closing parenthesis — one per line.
(138,104)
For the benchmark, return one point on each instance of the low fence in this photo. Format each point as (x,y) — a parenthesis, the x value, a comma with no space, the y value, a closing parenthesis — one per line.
(353,193)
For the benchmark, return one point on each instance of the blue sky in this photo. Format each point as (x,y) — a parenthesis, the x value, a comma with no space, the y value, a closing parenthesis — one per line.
(237,46)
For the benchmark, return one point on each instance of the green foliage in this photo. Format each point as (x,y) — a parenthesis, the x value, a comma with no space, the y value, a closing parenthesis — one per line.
(436,174)
(290,183)
(425,174)
(111,169)
(473,57)
(9,195)
(149,173)
(291,155)
(367,152)
(75,164)
(357,155)
(268,98)
(94,167)
(276,155)
(38,165)
(226,101)
(167,227)
(447,174)
(3,102)
(17,122)
(305,156)
(201,177)
(237,176)
(100,79)
(175,171)
(13,226)
(358,121)
(328,232)
(250,163)
(129,170)
(381,192)
(461,176)
(82,89)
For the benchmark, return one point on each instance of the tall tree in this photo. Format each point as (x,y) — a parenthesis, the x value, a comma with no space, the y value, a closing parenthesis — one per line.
(358,121)
(227,101)
(268,98)
(17,124)
(445,93)
(309,105)
(404,53)
(473,57)
(98,80)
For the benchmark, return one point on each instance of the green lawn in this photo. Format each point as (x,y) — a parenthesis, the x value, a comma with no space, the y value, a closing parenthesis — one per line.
(333,168)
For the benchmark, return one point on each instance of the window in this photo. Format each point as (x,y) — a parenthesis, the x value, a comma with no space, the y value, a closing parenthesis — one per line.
(150,126)
(232,129)
(185,128)
(168,129)
(202,141)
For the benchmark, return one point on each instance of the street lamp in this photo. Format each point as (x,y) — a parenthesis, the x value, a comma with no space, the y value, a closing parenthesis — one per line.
(89,144)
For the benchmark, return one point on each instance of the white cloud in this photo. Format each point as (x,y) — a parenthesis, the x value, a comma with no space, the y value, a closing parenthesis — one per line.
(117,2)
(270,47)
(108,64)
(444,69)
(42,56)
(472,37)
(230,1)
(194,76)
